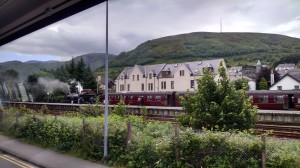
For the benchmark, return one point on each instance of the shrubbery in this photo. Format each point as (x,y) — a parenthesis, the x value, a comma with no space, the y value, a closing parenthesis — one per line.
(152,144)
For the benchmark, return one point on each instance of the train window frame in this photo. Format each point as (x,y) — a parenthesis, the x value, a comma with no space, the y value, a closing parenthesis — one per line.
(157,98)
(278,99)
(263,99)
(149,98)
(130,97)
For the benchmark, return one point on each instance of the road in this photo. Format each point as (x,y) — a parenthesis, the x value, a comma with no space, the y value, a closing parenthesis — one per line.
(7,161)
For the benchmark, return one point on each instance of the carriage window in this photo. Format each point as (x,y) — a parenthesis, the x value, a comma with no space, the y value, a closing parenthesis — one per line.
(149,98)
(278,99)
(263,99)
(157,98)
(109,97)
(117,97)
(130,97)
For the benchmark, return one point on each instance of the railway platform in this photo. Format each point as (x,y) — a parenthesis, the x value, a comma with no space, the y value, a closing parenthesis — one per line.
(42,157)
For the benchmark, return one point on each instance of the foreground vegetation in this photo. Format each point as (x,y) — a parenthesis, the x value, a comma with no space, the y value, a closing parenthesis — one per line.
(152,144)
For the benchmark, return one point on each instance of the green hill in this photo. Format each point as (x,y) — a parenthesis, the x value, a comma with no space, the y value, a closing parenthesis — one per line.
(94,60)
(236,48)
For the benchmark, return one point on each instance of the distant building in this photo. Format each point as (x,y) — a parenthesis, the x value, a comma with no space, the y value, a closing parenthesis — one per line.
(290,81)
(251,82)
(234,72)
(282,69)
(101,84)
(250,71)
(165,77)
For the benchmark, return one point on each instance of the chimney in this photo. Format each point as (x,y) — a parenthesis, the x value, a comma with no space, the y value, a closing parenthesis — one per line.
(272,77)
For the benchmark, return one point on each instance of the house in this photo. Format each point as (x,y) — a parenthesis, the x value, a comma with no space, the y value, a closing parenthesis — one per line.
(165,77)
(290,81)
(282,69)
(101,84)
(235,72)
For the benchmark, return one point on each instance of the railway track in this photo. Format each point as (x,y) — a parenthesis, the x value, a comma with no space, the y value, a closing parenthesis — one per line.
(278,130)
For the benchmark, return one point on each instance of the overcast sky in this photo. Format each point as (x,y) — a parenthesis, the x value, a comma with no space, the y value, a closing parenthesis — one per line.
(132,22)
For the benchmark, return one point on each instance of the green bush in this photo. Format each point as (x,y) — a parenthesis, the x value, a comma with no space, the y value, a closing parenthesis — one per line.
(152,144)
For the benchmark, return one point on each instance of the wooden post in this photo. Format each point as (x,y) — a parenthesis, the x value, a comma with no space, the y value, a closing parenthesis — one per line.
(17,118)
(264,155)
(83,128)
(176,141)
(128,141)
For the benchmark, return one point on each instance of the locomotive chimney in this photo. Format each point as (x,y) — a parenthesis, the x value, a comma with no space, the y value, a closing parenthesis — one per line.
(272,77)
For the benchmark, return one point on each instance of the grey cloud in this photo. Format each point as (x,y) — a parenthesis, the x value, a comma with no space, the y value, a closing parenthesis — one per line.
(132,22)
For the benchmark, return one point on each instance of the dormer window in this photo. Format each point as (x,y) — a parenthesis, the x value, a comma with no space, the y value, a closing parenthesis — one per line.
(150,76)
(181,73)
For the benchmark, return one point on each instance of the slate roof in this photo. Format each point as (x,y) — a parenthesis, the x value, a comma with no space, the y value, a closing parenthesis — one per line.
(285,66)
(295,73)
(195,67)
(126,72)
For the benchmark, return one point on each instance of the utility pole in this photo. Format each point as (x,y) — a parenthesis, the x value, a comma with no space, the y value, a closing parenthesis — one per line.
(106,87)
(220,25)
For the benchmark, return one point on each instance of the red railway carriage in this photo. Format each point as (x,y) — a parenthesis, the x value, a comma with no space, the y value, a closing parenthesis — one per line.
(145,98)
(275,99)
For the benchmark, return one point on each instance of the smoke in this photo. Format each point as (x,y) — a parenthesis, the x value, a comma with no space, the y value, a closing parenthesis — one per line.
(52,84)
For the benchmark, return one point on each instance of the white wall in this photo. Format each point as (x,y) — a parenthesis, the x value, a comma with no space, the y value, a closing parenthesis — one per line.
(287,83)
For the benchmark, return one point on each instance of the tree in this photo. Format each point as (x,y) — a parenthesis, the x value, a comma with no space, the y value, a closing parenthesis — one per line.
(266,73)
(80,69)
(71,68)
(241,83)
(217,105)
(10,74)
(89,80)
(263,84)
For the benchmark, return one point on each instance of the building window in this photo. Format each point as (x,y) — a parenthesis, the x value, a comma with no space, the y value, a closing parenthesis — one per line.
(150,86)
(121,87)
(163,84)
(296,87)
(192,83)
(137,77)
(142,87)
(132,77)
(181,72)
(150,76)
(172,84)
(128,87)
(279,87)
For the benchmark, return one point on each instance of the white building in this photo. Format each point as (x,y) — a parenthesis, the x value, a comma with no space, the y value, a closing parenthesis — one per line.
(165,77)
(290,81)
(282,69)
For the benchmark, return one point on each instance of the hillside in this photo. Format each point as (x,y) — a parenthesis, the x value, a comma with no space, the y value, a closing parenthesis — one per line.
(94,60)
(236,48)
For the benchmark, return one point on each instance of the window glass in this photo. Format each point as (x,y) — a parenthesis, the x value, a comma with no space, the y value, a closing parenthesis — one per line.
(263,99)
(278,99)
